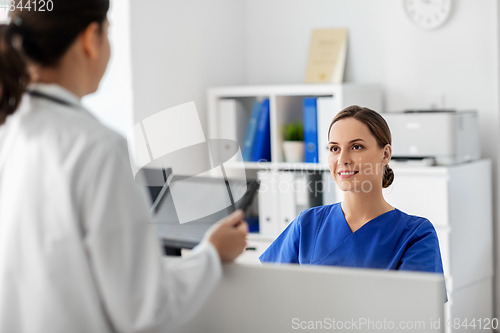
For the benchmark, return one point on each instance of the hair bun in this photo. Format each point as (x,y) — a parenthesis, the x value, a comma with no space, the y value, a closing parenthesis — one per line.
(388,177)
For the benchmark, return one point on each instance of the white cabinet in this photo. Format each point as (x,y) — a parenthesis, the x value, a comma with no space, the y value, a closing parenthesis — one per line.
(457,199)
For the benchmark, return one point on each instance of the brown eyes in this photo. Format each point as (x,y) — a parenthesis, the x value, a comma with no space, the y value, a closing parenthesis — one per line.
(335,149)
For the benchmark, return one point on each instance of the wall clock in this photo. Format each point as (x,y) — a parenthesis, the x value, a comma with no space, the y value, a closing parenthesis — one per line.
(428,14)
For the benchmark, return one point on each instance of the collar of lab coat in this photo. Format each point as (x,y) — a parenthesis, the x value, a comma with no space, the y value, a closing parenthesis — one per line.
(57,91)
(61,93)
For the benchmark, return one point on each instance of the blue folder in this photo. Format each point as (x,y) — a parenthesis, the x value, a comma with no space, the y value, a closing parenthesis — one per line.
(310,130)
(251,130)
(261,150)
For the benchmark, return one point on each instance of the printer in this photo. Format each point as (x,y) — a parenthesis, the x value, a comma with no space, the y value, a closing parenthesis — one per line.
(446,136)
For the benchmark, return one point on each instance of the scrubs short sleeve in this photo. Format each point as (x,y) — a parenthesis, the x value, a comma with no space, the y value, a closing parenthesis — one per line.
(422,252)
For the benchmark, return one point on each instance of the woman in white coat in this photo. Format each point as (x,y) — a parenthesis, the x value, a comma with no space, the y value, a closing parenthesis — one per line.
(77,250)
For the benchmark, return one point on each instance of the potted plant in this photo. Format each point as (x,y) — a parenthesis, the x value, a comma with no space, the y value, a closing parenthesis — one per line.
(293,145)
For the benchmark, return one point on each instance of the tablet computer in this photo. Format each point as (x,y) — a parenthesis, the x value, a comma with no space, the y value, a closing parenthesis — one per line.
(187,207)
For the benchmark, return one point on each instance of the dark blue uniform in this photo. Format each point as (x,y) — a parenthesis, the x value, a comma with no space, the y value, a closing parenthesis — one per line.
(393,240)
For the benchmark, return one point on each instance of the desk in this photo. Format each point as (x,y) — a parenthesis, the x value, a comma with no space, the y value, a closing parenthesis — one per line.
(284,298)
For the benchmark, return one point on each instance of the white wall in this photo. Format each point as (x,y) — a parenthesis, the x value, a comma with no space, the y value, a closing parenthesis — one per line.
(112,103)
(3,14)
(182,47)
(458,60)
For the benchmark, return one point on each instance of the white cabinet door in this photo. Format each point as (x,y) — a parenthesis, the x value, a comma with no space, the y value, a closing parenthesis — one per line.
(425,196)
(443,234)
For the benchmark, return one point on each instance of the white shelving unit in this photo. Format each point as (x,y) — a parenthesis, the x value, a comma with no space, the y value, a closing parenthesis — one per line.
(286,105)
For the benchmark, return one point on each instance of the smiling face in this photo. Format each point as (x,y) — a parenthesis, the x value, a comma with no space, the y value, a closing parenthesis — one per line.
(355,160)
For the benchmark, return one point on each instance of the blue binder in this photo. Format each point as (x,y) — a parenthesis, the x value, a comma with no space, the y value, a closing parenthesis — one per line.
(251,130)
(310,130)
(262,144)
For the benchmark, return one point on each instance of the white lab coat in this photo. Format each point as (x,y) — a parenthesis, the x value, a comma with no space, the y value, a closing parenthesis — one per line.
(78,252)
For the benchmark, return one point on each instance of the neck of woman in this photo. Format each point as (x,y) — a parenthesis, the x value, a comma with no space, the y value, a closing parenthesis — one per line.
(69,82)
(361,207)
(70,73)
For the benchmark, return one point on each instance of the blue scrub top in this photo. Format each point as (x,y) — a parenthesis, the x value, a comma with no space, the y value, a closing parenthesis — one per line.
(393,240)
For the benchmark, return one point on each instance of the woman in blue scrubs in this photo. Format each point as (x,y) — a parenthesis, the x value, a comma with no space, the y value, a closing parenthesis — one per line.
(363,230)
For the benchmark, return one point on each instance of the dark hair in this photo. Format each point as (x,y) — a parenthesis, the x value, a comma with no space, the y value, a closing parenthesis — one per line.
(377,126)
(40,37)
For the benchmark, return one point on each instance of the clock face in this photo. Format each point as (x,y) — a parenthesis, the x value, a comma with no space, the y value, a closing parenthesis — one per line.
(428,14)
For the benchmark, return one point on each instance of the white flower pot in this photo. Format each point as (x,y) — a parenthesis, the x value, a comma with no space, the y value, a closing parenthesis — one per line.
(294,151)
